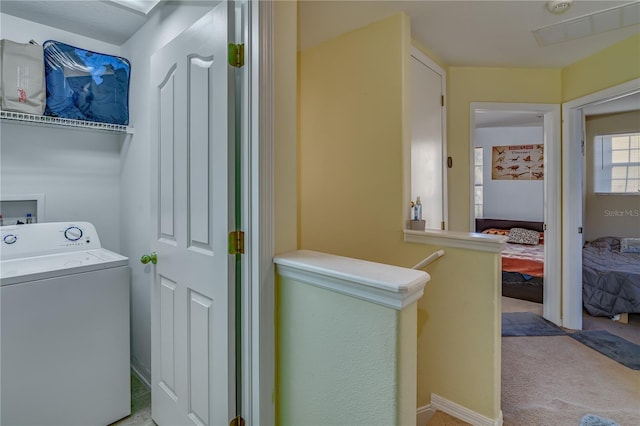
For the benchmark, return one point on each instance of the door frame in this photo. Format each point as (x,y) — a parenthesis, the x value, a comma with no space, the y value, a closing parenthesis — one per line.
(573,173)
(552,290)
(258,272)
(433,66)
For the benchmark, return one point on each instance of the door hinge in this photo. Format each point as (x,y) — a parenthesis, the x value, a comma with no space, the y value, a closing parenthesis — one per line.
(238,421)
(442,100)
(236,55)
(579,229)
(443,225)
(236,242)
(544,227)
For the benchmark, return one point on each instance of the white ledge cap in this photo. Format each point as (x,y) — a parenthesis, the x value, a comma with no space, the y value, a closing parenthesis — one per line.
(466,240)
(387,285)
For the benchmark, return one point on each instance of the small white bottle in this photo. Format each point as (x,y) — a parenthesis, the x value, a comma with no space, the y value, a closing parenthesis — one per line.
(417,210)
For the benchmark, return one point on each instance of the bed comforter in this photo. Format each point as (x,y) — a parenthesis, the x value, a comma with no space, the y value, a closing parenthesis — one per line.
(526,259)
(610,279)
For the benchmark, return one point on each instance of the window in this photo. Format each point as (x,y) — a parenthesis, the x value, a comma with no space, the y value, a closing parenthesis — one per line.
(478,170)
(617,164)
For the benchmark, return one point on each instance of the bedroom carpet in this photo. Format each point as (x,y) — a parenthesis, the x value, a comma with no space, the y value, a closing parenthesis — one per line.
(528,324)
(616,348)
(556,381)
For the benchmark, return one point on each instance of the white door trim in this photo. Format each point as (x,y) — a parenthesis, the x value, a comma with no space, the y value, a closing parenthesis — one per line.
(572,219)
(258,328)
(552,271)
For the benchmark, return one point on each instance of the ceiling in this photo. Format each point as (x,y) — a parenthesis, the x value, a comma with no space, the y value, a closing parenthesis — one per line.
(469,33)
(102,20)
(477,33)
(461,33)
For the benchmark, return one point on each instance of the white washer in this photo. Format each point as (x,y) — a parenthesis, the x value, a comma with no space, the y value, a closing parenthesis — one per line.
(65,327)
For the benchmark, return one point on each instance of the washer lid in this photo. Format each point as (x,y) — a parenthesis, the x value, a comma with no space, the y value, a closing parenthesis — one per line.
(55,265)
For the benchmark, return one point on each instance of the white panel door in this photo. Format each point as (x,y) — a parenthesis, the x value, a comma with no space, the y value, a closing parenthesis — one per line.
(427,143)
(192,310)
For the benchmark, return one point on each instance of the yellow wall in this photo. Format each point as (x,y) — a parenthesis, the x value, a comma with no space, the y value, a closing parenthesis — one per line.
(285,126)
(352,123)
(467,85)
(285,168)
(459,322)
(351,130)
(353,126)
(607,68)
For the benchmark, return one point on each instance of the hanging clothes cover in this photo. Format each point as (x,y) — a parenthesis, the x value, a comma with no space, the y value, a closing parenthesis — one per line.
(85,85)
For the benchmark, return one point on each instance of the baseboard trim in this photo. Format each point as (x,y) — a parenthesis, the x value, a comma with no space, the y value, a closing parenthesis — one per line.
(455,410)
(141,376)
(424,414)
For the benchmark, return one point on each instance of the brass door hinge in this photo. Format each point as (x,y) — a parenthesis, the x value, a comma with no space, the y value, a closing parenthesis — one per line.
(236,242)
(443,225)
(441,100)
(238,421)
(236,55)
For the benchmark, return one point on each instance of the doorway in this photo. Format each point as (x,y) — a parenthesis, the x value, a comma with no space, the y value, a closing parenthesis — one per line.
(572,203)
(547,116)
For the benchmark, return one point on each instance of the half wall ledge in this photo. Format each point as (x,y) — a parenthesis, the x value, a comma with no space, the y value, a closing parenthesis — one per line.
(466,240)
(387,285)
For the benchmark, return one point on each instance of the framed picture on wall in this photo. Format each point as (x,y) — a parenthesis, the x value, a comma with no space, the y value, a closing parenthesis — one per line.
(517,162)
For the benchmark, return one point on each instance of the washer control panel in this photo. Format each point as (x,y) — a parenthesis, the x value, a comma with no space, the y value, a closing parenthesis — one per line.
(10,239)
(39,239)
(73,233)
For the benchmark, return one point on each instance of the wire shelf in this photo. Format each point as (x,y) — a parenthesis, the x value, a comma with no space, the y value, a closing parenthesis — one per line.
(64,122)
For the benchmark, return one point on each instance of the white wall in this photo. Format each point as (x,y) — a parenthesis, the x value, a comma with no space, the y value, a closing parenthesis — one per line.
(78,171)
(99,177)
(510,199)
(135,232)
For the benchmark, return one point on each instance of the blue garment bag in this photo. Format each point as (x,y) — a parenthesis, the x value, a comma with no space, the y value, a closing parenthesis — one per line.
(85,85)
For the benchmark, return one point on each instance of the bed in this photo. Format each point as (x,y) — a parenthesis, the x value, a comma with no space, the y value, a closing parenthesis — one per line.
(522,264)
(610,278)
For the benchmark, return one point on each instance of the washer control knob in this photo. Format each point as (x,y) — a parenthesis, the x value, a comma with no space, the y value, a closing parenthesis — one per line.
(73,233)
(10,239)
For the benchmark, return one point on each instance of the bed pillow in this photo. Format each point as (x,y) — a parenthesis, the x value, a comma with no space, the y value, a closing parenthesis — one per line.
(496,231)
(524,236)
(630,245)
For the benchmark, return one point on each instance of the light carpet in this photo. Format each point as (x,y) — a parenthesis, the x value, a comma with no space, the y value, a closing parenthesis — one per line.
(553,380)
